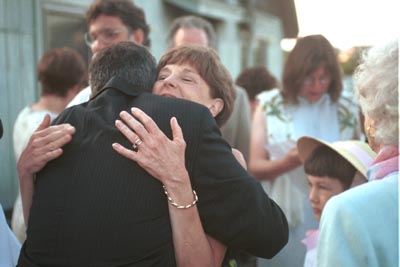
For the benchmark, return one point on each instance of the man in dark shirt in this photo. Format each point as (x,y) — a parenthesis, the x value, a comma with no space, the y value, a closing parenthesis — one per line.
(93,207)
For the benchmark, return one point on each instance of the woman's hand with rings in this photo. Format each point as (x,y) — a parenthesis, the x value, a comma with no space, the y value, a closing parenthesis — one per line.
(160,156)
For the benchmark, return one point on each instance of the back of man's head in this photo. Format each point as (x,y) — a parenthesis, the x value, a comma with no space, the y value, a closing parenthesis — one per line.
(130,14)
(127,60)
(191,22)
(59,70)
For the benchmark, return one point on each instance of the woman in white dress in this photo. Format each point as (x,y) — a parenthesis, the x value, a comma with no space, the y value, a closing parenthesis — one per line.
(61,73)
(310,103)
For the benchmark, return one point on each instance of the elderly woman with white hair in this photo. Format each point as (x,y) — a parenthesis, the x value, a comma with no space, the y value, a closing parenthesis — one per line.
(360,226)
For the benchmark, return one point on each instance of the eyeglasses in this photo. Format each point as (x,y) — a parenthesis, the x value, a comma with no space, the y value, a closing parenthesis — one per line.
(324,80)
(106,36)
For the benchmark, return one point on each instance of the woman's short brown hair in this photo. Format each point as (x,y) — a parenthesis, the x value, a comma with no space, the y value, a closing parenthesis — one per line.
(207,63)
(60,69)
(256,80)
(310,53)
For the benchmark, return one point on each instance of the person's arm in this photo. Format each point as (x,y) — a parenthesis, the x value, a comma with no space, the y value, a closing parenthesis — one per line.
(232,201)
(239,157)
(244,131)
(237,129)
(165,160)
(43,146)
(260,164)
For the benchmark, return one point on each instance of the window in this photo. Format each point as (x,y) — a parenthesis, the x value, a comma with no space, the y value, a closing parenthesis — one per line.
(64,26)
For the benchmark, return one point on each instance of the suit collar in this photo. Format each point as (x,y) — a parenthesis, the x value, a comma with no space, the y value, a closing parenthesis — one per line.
(120,84)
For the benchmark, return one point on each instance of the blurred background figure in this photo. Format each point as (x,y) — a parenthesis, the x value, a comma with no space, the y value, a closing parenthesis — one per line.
(331,169)
(9,245)
(360,227)
(192,30)
(111,22)
(256,80)
(310,103)
(62,74)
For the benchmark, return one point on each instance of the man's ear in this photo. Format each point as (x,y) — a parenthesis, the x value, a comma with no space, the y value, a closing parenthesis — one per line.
(138,36)
(216,106)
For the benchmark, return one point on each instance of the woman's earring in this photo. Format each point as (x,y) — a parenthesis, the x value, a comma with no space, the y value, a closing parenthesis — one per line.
(370,132)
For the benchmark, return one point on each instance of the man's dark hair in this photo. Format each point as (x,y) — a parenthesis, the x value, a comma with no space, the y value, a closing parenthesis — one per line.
(127,60)
(324,161)
(130,14)
(59,70)
(192,22)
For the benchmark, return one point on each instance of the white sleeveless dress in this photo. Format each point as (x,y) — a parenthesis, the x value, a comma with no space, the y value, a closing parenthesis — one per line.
(25,125)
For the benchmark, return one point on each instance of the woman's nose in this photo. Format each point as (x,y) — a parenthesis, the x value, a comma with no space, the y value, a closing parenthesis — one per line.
(170,81)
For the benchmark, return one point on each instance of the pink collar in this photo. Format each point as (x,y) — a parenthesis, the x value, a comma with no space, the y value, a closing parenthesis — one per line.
(386,162)
(311,239)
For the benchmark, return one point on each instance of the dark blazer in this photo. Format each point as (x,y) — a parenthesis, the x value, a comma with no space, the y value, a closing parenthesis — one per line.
(93,207)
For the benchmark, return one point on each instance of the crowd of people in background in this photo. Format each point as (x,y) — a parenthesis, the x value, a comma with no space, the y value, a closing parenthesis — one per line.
(130,162)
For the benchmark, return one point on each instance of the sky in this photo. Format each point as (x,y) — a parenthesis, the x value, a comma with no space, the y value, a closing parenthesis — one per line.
(348,23)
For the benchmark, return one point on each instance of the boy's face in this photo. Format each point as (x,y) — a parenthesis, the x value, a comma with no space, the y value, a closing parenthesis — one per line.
(321,190)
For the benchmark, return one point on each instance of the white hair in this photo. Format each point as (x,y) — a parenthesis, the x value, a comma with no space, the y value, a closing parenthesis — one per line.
(377,88)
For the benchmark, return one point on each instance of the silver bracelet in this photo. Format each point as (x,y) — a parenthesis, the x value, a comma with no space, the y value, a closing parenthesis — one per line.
(176,205)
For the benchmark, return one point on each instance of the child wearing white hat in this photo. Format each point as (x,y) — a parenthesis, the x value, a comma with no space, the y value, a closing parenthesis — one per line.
(331,168)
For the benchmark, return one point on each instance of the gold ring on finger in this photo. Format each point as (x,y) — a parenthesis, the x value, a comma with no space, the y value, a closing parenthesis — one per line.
(136,144)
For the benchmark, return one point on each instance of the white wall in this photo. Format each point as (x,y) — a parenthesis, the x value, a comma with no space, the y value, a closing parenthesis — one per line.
(17,83)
